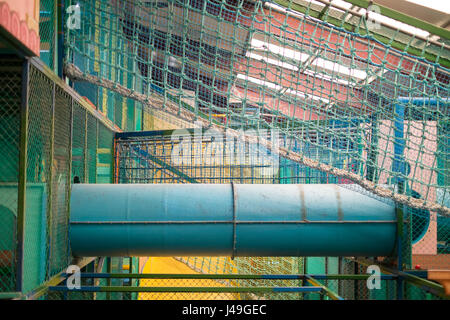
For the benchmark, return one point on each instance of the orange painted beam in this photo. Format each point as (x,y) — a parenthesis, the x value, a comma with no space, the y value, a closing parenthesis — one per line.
(441,276)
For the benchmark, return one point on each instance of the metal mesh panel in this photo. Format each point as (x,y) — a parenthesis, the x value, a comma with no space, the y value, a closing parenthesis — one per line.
(59,242)
(52,295)
(48,146)
(414,293)
(431,230)
(118,107)
(10,105)
(39,175)
(47,31)
(357,289)
(443,235)
(196,156)
(132,112)
(105,155)
(91,136)
(79,143)
(242,265)
(405,235)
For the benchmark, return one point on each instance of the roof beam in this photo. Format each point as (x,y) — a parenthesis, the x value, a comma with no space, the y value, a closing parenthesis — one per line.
(413,50)
(396,15)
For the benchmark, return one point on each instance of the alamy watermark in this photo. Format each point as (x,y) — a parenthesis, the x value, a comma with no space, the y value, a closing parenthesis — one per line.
(371,13)
(374,280)
(74,280)
(212,147)
(74,17)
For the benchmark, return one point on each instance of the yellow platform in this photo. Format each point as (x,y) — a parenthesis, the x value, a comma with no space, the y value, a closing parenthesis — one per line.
(173,266)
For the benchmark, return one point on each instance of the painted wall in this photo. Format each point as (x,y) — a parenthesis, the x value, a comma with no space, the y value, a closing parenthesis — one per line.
(21,19)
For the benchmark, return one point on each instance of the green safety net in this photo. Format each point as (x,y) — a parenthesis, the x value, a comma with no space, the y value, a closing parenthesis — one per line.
(328,80)
(47,31)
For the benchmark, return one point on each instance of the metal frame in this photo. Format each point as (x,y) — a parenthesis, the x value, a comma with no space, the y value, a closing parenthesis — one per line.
(411,49)
(57,279)
(37,63)
(399,16)
(415,279)
(20,250)
(110,289)
(49,214)
(312,279)
(233,276)
(22,178)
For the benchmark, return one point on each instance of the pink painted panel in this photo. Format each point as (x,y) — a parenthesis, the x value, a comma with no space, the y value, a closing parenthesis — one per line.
(21,20)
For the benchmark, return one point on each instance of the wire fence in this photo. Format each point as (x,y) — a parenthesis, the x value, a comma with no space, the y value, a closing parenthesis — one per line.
(44,145)
(342,279)
(206,156)
(10,113)
(48,32)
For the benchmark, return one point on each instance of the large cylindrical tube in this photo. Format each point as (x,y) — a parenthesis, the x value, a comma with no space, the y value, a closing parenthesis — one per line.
(228,220)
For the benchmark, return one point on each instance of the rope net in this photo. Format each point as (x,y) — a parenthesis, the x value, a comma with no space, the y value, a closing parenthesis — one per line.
(332,91)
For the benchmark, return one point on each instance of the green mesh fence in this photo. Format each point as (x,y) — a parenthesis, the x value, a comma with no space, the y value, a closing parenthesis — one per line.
(39,204)
(10,104)
(357,289)
(103,265)
(204,156)
(79,142)
(59,219)
(48,31)
(55,153)
(105,155)
(91,148)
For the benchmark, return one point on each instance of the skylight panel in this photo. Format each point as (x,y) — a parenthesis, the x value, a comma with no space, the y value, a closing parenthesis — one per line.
(438,5)
(275,62)
(339,68)
(282,51)
(279,88)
